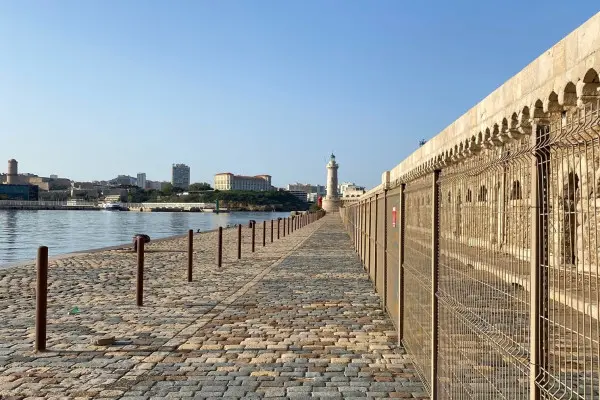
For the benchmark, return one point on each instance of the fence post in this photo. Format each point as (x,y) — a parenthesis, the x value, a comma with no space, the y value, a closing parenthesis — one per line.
(356,225)
(401,266)
(385,255)
(360,231)
(264,233)
(370,234)
(41,299)
(376,238)
(239,241)
(140,272)
(539,257)
(271,231)
(220,247)
(190,253)
(253,234)
(435,244)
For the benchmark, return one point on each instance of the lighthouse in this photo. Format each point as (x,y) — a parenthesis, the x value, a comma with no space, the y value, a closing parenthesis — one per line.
(331,203)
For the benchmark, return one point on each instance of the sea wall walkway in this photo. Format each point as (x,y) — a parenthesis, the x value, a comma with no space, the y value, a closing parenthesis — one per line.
(296,319)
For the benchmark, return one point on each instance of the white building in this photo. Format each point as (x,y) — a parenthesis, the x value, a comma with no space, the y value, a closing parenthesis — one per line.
(302,195)
(229,181)
(141,180)
(307,188)
(350,189)
(354,192)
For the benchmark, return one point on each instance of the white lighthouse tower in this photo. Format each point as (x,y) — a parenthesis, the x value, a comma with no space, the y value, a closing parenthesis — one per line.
(331,203)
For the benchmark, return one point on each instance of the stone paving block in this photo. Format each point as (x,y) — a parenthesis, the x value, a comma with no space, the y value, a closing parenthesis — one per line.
(297,319)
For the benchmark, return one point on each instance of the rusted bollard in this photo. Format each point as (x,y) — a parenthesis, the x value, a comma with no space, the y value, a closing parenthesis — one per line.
(239,242)
(284,226)
(253,233)
(220,247)
(278,224)
(190,253)
(139,293)
(288,224)
(41,298)
(271,231)
(264,233)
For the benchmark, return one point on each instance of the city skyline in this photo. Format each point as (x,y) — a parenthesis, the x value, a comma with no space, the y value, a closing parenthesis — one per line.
(95,88)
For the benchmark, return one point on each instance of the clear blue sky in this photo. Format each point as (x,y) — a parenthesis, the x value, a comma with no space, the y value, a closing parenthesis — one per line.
(92,89)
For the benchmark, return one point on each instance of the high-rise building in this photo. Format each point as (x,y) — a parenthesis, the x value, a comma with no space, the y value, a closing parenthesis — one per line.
(180,176)
(141,180)
(229,181)
(331,203)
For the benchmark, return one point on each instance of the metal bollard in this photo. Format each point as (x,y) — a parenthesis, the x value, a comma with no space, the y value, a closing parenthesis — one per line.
(190,254)
(220,247)
(239,242)
(264,233)
(284,226)
(253,233)
(271,231)
(41,298)
(288,225)
(278,224)
(139,294)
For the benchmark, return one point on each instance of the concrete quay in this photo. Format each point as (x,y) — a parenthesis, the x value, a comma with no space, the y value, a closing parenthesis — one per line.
(296,319)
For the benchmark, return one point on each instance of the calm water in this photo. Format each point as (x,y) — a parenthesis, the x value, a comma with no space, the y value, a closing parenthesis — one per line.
(23,231)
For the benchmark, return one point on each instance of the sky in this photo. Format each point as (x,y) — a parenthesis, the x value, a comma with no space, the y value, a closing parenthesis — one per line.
(93,89)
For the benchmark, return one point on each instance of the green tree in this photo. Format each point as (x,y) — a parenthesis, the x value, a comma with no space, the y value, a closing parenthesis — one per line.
(314,207)
(167,189)
(197,187)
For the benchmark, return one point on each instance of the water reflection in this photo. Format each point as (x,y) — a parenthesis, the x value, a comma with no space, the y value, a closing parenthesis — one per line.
(22,231)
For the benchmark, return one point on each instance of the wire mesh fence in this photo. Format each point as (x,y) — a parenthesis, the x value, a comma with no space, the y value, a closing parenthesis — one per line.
(497,298)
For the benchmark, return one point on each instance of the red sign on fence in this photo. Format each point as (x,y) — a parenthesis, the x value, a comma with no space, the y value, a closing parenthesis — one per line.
(393,217)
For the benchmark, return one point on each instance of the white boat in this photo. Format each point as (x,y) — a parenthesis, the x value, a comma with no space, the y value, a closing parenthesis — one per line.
(113,206)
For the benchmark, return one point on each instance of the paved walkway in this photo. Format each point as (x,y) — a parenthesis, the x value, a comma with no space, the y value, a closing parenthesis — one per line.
(297,319)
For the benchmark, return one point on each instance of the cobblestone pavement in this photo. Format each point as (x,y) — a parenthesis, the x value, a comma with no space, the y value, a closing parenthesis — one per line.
(296,319)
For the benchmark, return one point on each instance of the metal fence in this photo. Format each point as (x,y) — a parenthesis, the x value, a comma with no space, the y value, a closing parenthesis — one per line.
(489,266)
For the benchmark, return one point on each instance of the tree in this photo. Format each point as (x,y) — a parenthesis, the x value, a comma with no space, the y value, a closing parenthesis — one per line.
(167,189)
(197,187)
(314,207)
